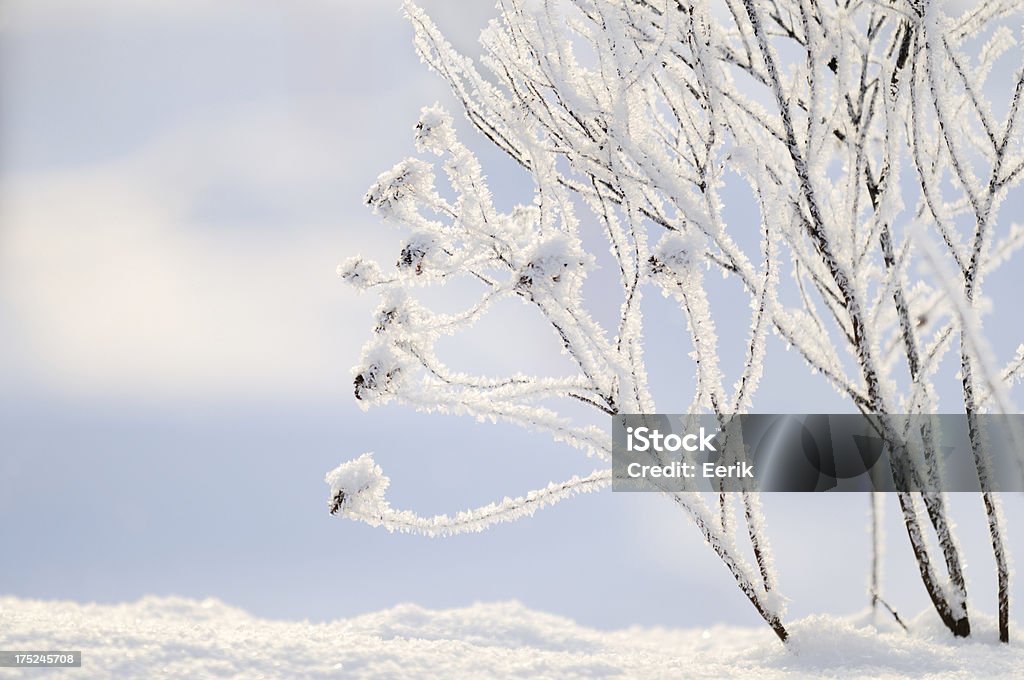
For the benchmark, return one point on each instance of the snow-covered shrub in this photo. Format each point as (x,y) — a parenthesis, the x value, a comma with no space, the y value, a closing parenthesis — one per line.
(873,160)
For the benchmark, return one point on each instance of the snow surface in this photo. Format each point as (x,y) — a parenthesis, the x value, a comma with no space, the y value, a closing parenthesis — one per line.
(172,637)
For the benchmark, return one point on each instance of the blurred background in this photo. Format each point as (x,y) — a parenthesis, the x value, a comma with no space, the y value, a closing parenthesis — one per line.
(178,181)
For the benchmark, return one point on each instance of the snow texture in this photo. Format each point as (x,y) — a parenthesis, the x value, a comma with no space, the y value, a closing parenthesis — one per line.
(181,638)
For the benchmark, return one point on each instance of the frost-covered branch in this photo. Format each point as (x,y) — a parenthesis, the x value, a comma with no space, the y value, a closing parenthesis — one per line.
(358,491)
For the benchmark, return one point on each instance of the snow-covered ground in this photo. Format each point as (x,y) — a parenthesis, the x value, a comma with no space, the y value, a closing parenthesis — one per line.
(179,638)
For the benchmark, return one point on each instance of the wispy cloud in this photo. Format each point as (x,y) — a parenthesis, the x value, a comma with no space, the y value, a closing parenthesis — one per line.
(114,286)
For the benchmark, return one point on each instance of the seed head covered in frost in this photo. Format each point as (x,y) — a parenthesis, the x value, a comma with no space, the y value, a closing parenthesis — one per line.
(391,195)
(677,255)
(417,253)
(396,312)
(434,130)
(381,373)
(359,272)
(555,264)
(357,487)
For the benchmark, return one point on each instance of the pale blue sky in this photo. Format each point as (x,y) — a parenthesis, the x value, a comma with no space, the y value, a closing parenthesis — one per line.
(178,181)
